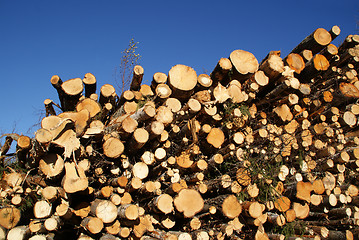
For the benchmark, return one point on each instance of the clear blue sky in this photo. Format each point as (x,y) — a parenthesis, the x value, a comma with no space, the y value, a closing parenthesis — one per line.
(39,39)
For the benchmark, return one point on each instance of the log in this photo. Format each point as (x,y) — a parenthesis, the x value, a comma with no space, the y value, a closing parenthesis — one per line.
(90,105)
(314,42)
(295,62)
(221,71)
(158,78)
(19,232)
(182,80)
(203,82)
(113,147)
(306,54)
(92,224)
(51,165)
(72,90)
(244,64)
(80,119)
(128,211)
(49,108)
(162,203)
(89,81)
(106,94)
(136,78)
(9,217)
(75,179)
(105,210)
(42,209)
(318,64)
(273,66)
(189,202)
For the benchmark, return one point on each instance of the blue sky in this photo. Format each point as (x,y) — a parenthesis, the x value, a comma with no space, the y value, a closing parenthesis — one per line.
(39,39)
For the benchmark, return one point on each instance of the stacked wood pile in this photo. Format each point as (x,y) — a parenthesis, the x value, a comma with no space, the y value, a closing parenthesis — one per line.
(256,150)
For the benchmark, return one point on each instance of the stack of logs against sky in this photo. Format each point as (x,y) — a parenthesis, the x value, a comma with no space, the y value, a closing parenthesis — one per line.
(255,150)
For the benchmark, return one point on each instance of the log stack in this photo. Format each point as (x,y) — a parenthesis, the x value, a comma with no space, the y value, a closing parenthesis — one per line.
(255,150)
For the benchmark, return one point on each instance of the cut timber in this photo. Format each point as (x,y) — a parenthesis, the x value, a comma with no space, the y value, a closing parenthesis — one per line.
(220,72)
(301,211)
(18,233)
(51,122)
(164,115)
(284,112)
(90,105)
(295,62)
(334,32)
(144,113)
(80,119)
(163,203)
(92,224)
(235,93)
(72,90)
(139,138)
(128,211)
(306,54)
(189,202)
(23,146)
(314,42)
(9,217)
(243,176)
(106,93)
(140,170)
(244,64)
(90,84)
(56,83)
(49,108)
(318,64)
(42,209)
(231,208)
(329,51)
(221,93)
(303,190)
(215,137)
(104,210)
(68,141)
(155,129)
(51,165)
(126,96)
(174,104)
(52,223)
(182,80)
(158,78)
(273,66)
(75,179)
(113,147)
(163,91)
(282,203)
(50,193)
(136,78)
(204,81)
(260,78)
(348,90)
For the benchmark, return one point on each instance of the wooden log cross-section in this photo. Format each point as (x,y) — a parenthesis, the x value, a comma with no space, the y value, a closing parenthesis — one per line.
(255,150)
